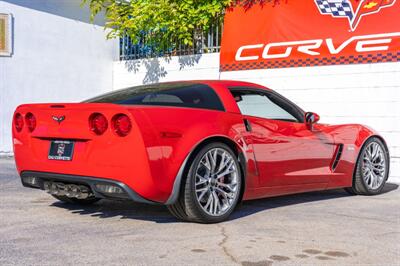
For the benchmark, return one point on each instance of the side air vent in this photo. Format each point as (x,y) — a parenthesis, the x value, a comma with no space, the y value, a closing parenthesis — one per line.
(338,155)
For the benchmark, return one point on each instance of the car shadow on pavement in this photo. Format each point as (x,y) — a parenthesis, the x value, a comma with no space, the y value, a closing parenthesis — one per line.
(124,209)
(159,214)
(254,206)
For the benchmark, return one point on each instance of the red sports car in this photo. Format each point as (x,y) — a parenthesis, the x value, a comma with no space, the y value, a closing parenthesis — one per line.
(198,147)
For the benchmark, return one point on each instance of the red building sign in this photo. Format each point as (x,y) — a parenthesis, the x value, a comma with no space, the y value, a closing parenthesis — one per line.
(311,33)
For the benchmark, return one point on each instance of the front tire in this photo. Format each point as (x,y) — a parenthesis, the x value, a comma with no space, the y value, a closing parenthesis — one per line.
(212,187)
(372,168)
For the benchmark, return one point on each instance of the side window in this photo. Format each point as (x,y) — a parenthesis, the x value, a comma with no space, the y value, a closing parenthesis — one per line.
(262,105)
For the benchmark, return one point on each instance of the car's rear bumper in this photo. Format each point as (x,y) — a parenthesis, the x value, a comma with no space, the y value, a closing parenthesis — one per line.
(41,177)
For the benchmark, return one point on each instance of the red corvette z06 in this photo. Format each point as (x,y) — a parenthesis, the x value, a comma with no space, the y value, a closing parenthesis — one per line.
(198,147)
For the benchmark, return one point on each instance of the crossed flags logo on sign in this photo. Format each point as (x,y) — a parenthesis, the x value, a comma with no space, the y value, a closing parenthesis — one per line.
(344,9)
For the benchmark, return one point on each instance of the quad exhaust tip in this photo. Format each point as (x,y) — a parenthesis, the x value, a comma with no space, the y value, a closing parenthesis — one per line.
(69,190)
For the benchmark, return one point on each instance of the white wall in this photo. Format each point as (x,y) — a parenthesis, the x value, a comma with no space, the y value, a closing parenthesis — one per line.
(138,72)
(58,57)
(365,94)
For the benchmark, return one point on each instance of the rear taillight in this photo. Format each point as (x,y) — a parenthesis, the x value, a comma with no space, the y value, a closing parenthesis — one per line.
(98,123)
(30,121)
(121,124)
(18,122)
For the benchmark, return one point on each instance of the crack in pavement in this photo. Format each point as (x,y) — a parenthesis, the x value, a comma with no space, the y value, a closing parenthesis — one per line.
(224,248)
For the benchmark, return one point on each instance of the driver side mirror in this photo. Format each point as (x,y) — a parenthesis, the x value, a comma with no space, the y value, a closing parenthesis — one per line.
(310,119)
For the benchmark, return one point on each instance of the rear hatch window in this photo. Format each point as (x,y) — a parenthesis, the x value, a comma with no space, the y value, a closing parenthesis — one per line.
(192,95)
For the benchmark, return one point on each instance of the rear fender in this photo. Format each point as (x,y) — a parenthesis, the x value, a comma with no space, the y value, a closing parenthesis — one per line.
(237,148)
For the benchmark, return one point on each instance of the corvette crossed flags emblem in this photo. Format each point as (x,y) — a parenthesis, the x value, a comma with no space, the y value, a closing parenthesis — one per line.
(344,9)
(58,119)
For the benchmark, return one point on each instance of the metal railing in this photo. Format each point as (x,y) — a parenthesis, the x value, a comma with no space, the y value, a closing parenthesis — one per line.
(207,42)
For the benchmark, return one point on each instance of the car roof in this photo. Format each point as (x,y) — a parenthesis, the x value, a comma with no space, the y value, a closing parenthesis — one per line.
(232,83)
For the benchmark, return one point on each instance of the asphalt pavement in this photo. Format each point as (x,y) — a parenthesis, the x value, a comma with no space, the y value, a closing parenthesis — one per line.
(319,228)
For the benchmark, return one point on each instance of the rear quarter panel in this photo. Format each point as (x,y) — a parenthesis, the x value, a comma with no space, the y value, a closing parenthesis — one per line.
(171,134)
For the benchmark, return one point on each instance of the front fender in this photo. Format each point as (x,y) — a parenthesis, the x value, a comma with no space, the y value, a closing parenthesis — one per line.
(353,137)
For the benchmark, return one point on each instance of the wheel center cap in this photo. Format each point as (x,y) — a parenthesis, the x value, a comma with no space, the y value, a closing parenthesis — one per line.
(213,182)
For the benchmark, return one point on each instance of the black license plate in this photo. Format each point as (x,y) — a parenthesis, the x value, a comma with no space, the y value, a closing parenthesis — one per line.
(61,150)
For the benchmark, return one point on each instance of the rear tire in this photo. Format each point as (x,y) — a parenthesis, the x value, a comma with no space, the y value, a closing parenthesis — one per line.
(212,187)
(87,201)
(372,168)
(178,211)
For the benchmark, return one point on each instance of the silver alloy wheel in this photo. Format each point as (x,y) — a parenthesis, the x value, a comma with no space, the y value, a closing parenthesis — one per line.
(217,182)
(373,166)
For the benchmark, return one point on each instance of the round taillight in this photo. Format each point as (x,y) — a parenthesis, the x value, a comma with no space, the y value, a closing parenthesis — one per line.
(30,121)
(121,125)
(98,123)
(18,122)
